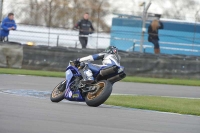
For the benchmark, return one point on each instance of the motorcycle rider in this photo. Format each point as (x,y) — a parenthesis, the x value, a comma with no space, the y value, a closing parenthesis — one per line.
(109,57)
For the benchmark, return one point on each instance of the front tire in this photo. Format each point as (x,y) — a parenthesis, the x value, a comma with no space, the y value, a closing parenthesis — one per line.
(94,99)
(58,93)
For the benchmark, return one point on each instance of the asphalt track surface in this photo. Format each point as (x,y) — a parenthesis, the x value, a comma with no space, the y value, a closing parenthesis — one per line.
(23,114)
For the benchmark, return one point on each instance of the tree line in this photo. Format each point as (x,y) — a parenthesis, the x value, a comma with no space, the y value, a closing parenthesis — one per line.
(65,13)
(62,13)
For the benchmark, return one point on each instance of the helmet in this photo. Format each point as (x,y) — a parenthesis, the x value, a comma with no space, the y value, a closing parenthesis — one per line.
(114,51)
(111,50)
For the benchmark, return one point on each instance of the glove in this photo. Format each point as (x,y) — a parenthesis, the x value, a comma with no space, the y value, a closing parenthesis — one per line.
(82,65)
(77,62)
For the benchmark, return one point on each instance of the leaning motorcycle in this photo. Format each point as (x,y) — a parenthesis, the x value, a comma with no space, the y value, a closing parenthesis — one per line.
(95,94)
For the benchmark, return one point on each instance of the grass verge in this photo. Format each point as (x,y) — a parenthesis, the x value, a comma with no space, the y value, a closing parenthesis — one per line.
(164,104)
(127,79)
(186,82)
(31,72)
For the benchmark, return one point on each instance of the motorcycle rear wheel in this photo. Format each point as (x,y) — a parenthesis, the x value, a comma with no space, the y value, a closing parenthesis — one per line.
(58,93)
(94,99)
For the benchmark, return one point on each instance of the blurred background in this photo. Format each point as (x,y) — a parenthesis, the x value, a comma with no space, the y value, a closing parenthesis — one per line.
(116,22)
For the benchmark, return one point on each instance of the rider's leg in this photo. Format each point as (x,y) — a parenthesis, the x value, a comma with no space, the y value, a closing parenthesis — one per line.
(88,76)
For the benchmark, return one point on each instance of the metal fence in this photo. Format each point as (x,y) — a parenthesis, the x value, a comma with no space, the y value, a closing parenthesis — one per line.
(50,22)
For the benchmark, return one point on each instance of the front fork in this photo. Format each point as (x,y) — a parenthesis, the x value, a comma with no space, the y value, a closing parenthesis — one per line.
(62,87)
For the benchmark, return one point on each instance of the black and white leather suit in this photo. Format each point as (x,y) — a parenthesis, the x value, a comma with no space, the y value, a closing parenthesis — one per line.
(107,59)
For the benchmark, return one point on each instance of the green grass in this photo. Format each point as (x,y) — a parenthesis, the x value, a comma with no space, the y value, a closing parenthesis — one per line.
(164,104)
(175,105)
(187,82)
(31,72)
(127,79)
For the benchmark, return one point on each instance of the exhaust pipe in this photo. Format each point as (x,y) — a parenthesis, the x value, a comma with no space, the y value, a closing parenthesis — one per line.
(117,78)
(108,71)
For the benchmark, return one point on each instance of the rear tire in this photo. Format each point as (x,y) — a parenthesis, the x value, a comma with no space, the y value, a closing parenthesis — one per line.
(94,100)
(57,95)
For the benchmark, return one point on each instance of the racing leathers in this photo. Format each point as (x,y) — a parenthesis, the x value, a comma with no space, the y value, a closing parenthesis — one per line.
(107,59)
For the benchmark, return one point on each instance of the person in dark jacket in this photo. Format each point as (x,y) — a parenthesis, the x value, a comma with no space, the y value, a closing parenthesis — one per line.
(85,28)
(7,25)
(153,34)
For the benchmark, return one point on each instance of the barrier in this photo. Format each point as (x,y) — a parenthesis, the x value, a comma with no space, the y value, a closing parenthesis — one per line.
(52,58)
(161,47)
(11,55)
(136,64)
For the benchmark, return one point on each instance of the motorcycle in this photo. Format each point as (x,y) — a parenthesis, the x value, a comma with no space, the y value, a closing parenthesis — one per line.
(95,94)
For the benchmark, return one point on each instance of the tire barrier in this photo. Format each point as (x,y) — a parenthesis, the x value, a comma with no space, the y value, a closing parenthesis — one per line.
(11,55)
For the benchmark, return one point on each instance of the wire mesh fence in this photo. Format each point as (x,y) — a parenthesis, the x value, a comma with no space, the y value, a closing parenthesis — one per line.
(51,22)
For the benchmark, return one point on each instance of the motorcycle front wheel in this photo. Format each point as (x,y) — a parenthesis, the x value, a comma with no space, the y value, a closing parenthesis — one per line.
(58,93)
(102,93)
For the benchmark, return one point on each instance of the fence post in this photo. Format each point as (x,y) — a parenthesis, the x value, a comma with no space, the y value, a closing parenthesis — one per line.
(58,37)
(1,10)
(195,28)
(76,44)
(98,24)
(144,24)
(134,42)
(50,10)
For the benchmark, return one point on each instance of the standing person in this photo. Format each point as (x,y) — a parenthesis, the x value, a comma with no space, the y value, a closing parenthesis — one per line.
(7,25)
(153,34)
(84,27)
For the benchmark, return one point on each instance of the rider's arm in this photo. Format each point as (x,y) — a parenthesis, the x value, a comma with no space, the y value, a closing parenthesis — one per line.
(92,57)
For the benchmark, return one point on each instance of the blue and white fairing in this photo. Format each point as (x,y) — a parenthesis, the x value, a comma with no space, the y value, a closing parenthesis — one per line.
(72,95)
(108,60)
